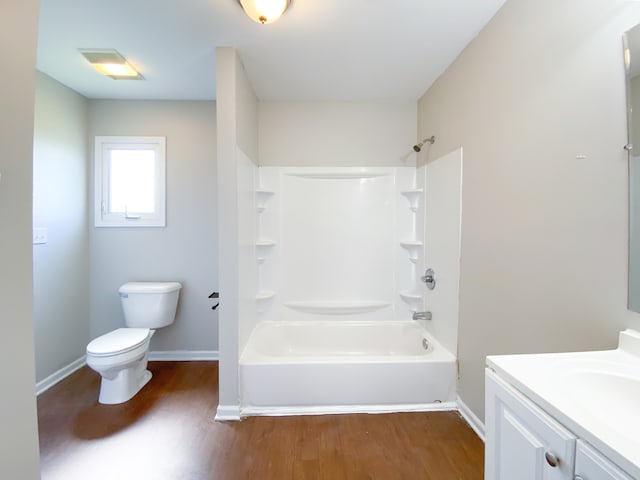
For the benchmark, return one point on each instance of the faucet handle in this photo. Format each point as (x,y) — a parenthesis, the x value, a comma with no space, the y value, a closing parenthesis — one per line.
(429,278)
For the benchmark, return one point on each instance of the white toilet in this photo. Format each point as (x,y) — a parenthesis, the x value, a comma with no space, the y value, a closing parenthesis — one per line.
(120,356)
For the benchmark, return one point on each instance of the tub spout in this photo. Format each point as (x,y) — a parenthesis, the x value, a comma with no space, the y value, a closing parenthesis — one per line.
(421,315)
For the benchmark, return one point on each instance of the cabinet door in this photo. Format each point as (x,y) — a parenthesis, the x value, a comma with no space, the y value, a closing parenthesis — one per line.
(522,442)
(591,465)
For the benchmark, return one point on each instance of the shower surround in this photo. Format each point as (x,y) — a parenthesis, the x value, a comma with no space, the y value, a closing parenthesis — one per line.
(338,252)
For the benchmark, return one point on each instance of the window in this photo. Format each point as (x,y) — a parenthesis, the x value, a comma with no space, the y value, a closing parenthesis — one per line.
(130,182)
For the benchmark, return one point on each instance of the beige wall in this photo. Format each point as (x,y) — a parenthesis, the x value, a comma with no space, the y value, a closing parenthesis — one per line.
(544,231)
(183,251)
(61,266)
(19,446)
(337,134)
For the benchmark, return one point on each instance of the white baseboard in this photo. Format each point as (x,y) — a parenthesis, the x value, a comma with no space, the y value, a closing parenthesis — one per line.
(176,356)
(183,355)
(226,413)
(46,383)
(471,418)
(345,409)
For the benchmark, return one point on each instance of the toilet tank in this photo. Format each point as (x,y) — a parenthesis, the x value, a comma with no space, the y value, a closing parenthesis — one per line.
(149,304)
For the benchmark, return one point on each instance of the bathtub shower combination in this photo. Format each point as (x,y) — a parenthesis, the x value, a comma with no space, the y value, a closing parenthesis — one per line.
(338,253)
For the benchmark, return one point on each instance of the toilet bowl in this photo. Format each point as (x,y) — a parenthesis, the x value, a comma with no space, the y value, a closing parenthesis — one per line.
(120,356)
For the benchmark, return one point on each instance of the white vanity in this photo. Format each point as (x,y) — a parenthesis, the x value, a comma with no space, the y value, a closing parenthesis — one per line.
(573,416)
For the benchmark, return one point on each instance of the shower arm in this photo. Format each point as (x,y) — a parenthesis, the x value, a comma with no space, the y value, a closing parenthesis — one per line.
(430,140)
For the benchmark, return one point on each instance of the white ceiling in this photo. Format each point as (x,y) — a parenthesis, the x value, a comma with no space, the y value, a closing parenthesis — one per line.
(347,50)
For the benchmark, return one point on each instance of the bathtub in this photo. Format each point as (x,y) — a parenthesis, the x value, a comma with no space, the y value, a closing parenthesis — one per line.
(344,366)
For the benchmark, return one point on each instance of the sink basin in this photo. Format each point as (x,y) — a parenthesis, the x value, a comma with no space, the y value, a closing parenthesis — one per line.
(609,397)
(595,395)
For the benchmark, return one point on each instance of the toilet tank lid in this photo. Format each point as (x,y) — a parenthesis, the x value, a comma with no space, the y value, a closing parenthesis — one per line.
(150,287)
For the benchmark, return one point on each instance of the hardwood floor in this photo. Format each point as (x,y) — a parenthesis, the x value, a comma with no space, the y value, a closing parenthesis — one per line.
(167,432)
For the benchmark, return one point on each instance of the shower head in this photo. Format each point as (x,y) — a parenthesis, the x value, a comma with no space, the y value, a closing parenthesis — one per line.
(431,140)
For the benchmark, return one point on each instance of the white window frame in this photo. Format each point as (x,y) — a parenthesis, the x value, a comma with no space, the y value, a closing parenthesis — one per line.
(102,217)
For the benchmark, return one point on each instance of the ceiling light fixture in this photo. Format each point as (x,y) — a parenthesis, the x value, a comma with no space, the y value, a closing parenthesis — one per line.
(264,11)
(111,63)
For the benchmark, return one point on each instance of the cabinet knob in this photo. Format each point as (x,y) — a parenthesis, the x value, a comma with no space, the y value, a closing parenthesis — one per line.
(551,459)
(578,477)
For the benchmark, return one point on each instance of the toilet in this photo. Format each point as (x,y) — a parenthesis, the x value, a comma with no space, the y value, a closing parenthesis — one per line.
(120,356)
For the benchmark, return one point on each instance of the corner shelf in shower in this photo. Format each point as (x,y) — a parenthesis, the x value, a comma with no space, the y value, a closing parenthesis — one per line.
(413,247)
(262,299)
(265,295)
(262,249)
(262,196)
(412,299)
(336,307)
(413,196)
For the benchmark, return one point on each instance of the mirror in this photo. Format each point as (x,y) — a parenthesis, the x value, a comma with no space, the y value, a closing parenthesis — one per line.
(631,43)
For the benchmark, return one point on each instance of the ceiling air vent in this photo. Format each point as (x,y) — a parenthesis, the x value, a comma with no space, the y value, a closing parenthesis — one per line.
(110,63)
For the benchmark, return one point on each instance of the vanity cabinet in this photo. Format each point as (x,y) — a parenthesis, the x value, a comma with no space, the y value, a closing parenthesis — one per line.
(523,442)
(591,465)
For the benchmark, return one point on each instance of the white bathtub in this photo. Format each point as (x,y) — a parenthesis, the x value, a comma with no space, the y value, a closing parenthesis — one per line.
(344,366)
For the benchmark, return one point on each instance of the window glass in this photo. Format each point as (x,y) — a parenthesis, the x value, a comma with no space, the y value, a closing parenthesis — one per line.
(130,181)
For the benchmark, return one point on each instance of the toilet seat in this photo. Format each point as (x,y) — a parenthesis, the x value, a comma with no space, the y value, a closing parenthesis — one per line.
(117,342)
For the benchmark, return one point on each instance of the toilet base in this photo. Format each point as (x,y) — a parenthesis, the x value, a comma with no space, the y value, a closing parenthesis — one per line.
(124,385)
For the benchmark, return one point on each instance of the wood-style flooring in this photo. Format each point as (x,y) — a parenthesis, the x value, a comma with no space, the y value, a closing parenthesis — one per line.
(167,432)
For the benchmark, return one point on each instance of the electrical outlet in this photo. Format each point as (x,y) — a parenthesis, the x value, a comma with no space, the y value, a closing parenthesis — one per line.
(39,236)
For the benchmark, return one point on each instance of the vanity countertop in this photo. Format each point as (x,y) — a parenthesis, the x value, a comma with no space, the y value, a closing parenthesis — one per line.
(596,395)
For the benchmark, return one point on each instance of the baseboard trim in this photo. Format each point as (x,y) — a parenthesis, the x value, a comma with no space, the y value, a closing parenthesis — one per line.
(227,413)
(46,383)
(183,355)
(344,409)
(471,418)
(175,356)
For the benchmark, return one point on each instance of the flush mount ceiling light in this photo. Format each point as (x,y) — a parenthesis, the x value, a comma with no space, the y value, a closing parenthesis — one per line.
(264,11)
(111,63)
